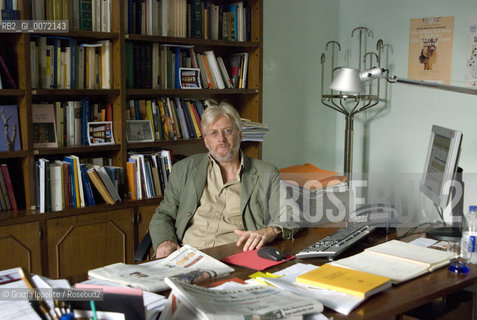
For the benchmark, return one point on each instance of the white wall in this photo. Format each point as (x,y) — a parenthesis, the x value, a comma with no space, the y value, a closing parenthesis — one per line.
(302,130)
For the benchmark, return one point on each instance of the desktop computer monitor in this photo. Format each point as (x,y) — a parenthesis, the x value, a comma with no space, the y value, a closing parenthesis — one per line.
(440,177)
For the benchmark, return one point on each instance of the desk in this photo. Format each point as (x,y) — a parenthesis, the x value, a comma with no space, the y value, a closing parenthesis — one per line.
(385,305)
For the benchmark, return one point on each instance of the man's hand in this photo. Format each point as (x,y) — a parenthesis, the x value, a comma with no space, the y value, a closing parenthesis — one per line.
(255,239)
(165,248)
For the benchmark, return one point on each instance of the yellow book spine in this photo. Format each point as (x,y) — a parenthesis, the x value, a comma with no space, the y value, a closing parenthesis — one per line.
(149,115)
(196,125)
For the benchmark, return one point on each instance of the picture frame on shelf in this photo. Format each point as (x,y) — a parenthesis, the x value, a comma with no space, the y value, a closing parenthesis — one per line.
(44,126)
(9,128)
(100,133)
(190,78)
(139,131)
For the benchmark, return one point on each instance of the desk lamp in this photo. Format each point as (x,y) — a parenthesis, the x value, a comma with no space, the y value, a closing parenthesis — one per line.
(351,80)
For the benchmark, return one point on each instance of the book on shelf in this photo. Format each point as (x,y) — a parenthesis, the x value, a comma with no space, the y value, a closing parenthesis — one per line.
(186,263)
(63,63)
(56,185)
(10,135)
(170,118)
(44,126)
(358,283)
(89,15)
(88,190)
(100,186)
(6,75)
(197,19)
(397,260)
(9,186)
(103,175)
(66,183)
(42,185)
(131,177)
(4,194)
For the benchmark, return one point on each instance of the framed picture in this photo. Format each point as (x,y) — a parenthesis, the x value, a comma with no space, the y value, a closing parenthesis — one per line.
(139,131)
(190,78)
(100,133)
(10,128)
(44,126)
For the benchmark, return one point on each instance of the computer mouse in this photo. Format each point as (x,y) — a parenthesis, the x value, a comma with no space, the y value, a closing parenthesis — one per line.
(270,253)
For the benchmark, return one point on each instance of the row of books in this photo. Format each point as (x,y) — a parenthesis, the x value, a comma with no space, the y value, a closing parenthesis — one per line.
(148,174)
(71,183)
(171,118)
(159,67)
(9,10)
(65,123)
(62,63)
(88,15)
(192,19)
(7,194)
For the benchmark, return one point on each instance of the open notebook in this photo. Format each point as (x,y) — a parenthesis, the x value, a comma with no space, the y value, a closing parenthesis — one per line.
(397,260)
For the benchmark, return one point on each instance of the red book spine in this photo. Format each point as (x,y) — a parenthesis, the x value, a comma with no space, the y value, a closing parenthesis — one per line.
(8,182)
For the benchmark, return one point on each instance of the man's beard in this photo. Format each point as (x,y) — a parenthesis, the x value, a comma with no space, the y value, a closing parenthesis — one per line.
(231,155)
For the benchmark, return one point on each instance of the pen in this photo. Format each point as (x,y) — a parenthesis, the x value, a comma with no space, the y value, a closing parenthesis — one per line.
(42,305)
(36,306)
(93,309)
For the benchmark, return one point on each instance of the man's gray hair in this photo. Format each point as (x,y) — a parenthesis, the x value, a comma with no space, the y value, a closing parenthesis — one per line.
(223,109)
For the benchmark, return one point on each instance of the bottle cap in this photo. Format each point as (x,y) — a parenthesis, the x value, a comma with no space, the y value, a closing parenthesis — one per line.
(68,316)
(472,208)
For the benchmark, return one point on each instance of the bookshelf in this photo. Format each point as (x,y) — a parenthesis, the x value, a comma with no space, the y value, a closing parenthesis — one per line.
(67,243)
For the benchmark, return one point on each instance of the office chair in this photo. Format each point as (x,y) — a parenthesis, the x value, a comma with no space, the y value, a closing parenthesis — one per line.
(143,249)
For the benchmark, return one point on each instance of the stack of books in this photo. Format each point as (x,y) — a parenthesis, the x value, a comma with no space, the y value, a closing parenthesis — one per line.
(253,131)
(148,174)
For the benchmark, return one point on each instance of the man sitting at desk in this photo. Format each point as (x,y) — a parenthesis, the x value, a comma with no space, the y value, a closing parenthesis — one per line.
(222,196)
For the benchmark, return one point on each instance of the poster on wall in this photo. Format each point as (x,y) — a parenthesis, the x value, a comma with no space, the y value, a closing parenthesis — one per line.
(430,49)
(471,63)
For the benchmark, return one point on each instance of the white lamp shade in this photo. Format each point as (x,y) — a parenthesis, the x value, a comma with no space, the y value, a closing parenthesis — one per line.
(348,80)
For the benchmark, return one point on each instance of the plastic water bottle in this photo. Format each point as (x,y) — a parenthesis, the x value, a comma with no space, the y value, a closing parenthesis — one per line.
(469,237)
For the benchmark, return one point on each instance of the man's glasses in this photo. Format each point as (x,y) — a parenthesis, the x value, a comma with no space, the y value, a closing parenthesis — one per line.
(216,133)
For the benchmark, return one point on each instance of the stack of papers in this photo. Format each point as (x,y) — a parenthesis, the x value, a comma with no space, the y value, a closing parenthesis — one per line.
(253,131)
(188,301)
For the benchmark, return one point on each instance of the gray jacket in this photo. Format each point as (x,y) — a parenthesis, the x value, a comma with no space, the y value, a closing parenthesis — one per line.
(260,198)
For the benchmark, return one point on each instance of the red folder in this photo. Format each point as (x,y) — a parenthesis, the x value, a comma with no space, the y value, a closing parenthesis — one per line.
(250,259)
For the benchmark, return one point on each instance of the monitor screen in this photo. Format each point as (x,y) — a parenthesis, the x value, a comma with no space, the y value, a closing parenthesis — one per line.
(441,165)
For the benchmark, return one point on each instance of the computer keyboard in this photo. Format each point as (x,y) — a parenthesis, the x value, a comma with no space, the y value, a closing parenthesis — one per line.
(337,242)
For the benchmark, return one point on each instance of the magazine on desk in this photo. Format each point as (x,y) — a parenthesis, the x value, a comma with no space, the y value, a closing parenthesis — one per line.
(187,263)
(397,260)
(245,302)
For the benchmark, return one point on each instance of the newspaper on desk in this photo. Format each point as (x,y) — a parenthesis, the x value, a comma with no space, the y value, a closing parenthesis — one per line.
(187,263)
(245,302)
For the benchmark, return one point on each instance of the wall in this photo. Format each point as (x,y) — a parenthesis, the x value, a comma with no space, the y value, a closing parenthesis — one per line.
(389,139)
(301,129)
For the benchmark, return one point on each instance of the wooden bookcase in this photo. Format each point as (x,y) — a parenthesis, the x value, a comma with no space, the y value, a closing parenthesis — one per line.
(69,242)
